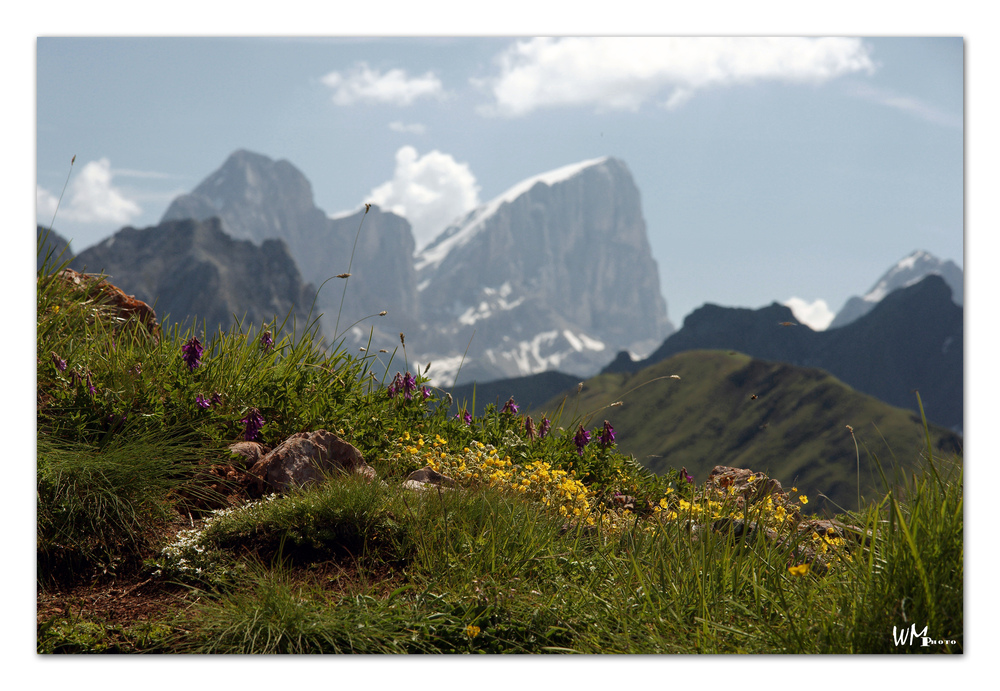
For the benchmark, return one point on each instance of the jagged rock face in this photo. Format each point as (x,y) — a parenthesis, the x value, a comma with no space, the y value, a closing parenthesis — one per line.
(911,340)
(258,198)
(190,268)
(560,275)
(908,271)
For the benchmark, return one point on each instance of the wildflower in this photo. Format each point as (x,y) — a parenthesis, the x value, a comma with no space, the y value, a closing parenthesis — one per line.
(216,398)
(804,499)
(798,569)
(509,406)
(409,386)
(192,351)
(252,424)
(472,631)
(59,362)
(543,429)
(425,392)
(607,437)
(464,416)
(266,341)
(581,439)
(684,472)
(90,386)
(202,402)
(396,385)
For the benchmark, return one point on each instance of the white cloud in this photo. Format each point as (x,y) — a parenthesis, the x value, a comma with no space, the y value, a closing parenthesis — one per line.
(816,315)
(90,198)
(909,105)
(625,73)
(365,85)
(430,191)
(412,128)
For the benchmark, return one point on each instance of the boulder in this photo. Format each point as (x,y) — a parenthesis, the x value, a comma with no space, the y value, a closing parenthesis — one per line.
(426,478)
(309,457)
(124,307)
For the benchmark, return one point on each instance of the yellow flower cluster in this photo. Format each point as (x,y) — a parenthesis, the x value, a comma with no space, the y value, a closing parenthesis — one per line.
(481,463)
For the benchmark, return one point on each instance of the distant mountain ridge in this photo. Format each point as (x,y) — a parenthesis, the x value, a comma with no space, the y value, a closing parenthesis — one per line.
(910,340)
(192,269)
(556,272)
(909,270)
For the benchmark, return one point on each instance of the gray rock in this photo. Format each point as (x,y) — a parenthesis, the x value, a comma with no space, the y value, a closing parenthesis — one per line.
(309,457)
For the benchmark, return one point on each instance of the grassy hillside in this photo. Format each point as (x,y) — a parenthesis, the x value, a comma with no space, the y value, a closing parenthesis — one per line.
(551,540)
(727,408)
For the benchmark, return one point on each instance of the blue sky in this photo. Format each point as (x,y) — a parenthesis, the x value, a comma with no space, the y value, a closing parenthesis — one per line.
(769,169)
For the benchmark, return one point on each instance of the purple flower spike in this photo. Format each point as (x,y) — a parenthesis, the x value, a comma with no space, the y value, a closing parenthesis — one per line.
(581,439)
(684,472)
(191,352)
(59,362)
(202,403)
(607,437)
(409,386)
(266,341)
(543,429)
(216,398)
(425,392)
(396,386)
(509,406)
(252,424)
(90,386)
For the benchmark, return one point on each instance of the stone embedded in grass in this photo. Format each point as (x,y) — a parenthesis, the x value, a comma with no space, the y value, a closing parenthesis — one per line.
(426,478)
(308,457)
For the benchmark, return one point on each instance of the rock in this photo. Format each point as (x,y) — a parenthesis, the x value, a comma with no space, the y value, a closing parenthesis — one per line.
(308,457)
(125,307)
(426,478)
(251,451)
(747,491)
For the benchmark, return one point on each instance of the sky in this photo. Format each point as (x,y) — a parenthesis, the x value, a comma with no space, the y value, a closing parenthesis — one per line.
(793,169)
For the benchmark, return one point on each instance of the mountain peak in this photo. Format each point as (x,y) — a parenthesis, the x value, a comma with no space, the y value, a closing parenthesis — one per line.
(460,233)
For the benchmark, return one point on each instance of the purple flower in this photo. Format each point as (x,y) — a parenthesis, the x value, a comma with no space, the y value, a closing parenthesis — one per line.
(684,472)
(216,398)
(607,437)
(464,416)
(409,386)
(581,439)
(90,386)
(191,352)
(252,424)
(425,392)
(396,386)
(543,429)
(509,406)
(266,341)
(59,362)
(202,403)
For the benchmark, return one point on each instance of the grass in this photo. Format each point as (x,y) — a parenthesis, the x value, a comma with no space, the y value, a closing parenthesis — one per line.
(542,545)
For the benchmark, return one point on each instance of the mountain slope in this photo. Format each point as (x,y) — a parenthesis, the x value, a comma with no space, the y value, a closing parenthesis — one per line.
(908,271)
(258,198)
(912,339)
(555,272)
(727,408)
(188,269)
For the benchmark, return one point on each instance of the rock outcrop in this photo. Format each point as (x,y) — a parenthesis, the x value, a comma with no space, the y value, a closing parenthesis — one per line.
(122,308)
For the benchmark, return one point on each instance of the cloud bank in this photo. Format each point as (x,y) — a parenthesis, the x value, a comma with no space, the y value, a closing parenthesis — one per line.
(625,73)
(430,191)
(362,84)
(91,198)
(816,315)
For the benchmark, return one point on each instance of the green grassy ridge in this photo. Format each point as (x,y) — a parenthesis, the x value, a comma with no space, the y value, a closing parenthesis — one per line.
(470,571)
(795,430)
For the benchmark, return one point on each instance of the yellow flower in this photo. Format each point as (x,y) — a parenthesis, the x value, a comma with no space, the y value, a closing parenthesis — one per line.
(471,631)
(804,499)
(798,570)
